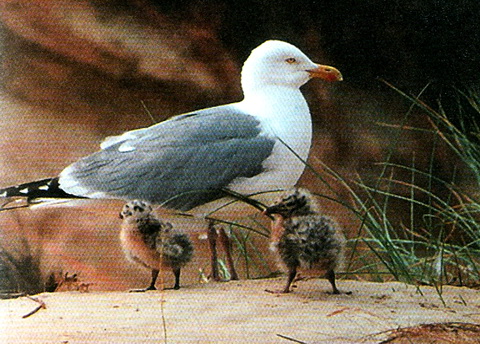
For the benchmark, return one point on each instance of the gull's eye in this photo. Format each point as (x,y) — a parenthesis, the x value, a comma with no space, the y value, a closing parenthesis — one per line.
(290,60)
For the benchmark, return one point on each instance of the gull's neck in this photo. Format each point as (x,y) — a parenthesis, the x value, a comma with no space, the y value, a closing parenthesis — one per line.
(270,102)
(283,112)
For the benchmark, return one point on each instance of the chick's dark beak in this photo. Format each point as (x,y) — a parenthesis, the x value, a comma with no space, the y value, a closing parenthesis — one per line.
(274,209)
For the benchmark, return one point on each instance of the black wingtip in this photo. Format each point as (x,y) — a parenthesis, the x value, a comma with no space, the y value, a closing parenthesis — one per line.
(45,188)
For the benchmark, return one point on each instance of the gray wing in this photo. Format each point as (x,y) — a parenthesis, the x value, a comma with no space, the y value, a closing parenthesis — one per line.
(181,163)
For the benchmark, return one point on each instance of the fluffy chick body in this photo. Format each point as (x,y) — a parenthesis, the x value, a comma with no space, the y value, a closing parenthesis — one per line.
(152,243)
(303,239)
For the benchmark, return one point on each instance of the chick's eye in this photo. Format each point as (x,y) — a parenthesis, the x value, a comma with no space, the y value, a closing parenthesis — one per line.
(290,60)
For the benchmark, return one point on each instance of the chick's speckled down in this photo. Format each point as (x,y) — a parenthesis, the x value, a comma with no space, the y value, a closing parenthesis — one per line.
(311,242)
(303,238)
(153,243)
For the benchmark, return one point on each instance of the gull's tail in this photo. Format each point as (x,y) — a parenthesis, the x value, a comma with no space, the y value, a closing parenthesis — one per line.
(45,188)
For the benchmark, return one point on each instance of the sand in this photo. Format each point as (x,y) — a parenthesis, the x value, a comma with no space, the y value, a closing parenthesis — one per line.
(238,312)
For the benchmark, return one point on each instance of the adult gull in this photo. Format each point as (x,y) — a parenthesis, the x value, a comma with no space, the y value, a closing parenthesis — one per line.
(187,161)
(256,145)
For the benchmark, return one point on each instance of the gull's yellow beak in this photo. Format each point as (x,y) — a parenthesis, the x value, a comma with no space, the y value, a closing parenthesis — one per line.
(326,73)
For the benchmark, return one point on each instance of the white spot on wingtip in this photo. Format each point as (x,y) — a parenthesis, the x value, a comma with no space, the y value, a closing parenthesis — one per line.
(43,187)
(3,194)
(24,191)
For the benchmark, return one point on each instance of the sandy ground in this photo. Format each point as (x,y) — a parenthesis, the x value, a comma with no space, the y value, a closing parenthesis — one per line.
(237,311)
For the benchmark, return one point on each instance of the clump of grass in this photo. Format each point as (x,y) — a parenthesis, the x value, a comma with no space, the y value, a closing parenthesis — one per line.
(20,271)
(443,247)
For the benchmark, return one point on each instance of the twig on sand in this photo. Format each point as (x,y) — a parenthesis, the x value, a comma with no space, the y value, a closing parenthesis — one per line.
(291,339)
(40,306)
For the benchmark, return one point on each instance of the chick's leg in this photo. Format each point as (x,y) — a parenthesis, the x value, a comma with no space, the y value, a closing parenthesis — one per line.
(176,272)
(155,273)
(330,275)
(154,280)
(292,272)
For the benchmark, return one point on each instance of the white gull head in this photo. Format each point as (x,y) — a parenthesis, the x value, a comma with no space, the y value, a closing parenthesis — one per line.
(277,63)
